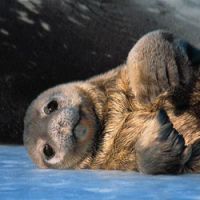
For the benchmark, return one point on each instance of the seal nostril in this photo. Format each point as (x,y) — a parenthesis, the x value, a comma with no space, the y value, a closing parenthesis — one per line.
(48,152)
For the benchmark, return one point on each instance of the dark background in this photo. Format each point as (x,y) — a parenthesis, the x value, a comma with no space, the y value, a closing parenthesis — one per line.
(47,42)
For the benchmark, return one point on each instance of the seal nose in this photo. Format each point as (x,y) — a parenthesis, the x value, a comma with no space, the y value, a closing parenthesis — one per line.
(48,151)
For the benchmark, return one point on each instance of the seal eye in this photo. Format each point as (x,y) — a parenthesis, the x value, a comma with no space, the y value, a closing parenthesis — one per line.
(48,152)
(51,107)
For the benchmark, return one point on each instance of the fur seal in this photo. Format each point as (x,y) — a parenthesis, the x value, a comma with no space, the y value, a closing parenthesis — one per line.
(142,115)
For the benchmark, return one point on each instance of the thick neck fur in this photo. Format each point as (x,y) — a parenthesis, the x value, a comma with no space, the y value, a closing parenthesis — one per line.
(113,102)
(122,120)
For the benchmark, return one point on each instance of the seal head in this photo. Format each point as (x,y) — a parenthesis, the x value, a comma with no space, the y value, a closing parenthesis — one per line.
(60,127)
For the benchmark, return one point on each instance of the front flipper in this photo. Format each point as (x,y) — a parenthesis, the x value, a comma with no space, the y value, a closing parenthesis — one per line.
(160,148)
(158,62)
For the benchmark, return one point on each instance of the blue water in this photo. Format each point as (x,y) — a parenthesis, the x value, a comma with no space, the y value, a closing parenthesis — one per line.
(21,179)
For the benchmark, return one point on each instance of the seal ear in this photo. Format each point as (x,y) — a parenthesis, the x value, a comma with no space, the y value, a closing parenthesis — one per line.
(159,61)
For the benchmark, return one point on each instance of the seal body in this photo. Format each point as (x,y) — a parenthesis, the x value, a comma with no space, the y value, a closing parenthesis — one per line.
(142,116)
